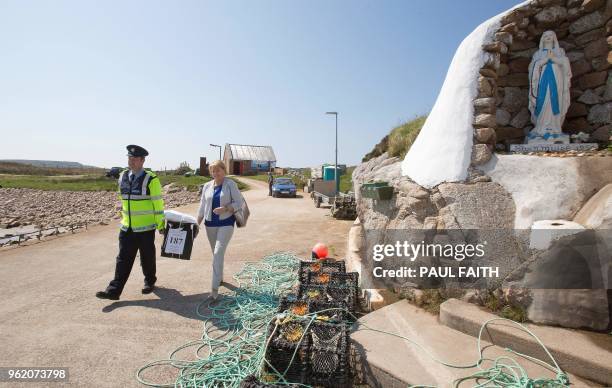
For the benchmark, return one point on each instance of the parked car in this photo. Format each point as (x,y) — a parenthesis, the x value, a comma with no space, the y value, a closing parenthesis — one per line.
(283,187)
(114,172)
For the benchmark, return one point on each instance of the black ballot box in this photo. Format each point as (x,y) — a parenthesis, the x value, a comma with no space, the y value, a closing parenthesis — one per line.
(178,240)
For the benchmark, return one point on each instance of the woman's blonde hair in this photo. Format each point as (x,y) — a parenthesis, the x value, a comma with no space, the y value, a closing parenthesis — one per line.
(217,164)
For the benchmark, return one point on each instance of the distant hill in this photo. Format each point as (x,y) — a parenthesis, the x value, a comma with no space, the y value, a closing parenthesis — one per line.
(48,163)
(21,168)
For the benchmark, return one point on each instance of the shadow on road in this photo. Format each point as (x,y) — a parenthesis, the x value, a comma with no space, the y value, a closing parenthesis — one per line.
(170,299)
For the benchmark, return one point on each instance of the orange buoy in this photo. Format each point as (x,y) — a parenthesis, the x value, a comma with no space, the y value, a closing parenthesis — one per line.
(319,251)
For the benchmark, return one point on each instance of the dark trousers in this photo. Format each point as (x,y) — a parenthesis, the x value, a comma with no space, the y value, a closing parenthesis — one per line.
(269,189)
(129,244)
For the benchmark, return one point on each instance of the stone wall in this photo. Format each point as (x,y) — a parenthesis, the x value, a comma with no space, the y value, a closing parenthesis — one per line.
(583,28)
(49,208)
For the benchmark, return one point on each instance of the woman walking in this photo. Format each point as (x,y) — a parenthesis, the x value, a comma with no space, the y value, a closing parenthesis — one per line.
(220,199)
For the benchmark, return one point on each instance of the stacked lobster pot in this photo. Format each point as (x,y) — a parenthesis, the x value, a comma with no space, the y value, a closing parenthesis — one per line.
(287,351)
(310,343)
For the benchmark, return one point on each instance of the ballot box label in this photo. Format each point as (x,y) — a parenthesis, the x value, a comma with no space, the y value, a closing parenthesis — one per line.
(176,241)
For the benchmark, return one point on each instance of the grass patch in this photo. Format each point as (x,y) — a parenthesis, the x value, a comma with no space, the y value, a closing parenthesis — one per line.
(402,136)
(515,313)
(429,299)
(241,185)
(432,299)
(501,307)
(190,182)
(92,182)
(493,303)
(79,183)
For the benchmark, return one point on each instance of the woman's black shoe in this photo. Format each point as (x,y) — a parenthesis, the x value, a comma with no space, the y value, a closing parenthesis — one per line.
(148,289)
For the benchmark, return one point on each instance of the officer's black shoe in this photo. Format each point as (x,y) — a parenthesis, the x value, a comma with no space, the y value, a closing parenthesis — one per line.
(106,295)
(148,289)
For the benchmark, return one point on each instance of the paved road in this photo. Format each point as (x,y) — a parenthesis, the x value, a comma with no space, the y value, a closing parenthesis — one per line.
(50,317)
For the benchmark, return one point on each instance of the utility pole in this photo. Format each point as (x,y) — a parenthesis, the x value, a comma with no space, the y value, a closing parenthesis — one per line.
(336,164)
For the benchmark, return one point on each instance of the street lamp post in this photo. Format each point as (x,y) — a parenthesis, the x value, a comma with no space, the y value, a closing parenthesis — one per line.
(336,164)
(214,145)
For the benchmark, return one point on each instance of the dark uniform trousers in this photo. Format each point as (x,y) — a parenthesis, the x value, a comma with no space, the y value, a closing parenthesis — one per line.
(129,243)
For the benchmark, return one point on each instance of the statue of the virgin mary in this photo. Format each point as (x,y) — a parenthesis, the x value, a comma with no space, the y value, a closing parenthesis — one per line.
(549,91)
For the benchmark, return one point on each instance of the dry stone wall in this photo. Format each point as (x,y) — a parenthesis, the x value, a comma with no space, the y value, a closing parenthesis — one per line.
(20,207)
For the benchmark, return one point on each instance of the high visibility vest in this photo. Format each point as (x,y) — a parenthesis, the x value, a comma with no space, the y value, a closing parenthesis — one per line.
(142,203)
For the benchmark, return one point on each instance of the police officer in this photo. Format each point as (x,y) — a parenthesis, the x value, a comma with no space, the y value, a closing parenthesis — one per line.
(142,213)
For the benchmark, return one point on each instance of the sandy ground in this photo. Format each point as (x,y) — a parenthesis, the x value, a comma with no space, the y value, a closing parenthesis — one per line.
(49,315)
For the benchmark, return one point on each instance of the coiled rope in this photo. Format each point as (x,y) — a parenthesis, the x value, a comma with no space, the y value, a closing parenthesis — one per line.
(233,344)
(505,372)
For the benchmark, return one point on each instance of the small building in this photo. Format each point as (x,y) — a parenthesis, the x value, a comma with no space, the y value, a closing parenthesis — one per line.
(203,169)
(318,171)
(241,159)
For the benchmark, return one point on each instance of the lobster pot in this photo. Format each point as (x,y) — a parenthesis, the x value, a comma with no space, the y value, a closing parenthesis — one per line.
(305,268)
(334,312)
(319,278)
(335,279)
(297,307)
(178,240)
(284,342)
(321,293)
(252,382)
(343,294)
(348,279)
(328,361)
(319,266)
(312,292)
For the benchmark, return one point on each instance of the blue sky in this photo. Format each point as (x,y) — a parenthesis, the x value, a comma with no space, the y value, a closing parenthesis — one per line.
(81,79)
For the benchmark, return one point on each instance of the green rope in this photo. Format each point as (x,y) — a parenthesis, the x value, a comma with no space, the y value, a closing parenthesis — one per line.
(506,372)
(235,340)
(233,343)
